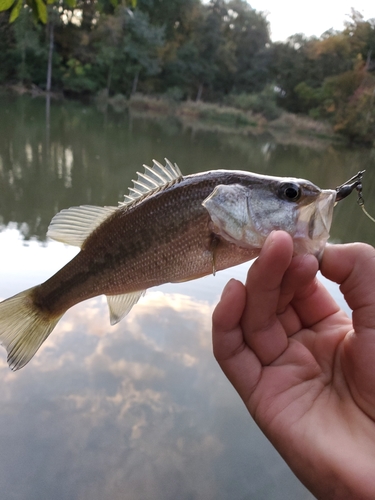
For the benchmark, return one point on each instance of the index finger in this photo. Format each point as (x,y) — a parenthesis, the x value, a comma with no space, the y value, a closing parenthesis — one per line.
(263,331)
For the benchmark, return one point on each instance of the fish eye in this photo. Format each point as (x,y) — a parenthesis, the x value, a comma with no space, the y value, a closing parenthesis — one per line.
(290,191)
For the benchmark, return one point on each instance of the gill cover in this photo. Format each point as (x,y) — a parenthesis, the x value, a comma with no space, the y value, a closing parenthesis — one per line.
(246,215)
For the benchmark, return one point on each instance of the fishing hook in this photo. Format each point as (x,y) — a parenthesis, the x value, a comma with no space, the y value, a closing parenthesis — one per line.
(354,183)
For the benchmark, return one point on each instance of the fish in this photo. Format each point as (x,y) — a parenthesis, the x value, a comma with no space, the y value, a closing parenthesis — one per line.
(169,228)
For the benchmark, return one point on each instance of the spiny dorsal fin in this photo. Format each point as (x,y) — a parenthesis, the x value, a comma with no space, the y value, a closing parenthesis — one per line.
(152,180)
(74,225)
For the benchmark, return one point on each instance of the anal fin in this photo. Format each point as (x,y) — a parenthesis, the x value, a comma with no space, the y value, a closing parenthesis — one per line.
(120,305)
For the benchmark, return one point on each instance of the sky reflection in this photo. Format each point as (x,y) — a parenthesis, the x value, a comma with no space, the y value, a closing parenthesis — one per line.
(136,411)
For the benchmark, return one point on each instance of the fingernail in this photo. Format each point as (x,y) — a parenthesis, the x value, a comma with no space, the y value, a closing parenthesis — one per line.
(227,288)
(269,240)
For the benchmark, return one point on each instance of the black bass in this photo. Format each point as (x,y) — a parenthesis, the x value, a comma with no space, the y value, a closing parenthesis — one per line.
(170,228)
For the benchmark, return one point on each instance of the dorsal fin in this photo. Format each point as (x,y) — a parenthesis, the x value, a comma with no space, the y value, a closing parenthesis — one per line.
(152,180)
(74,225)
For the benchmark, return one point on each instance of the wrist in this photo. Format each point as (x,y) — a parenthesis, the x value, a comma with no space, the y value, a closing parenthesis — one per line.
(342,479)
(339,464)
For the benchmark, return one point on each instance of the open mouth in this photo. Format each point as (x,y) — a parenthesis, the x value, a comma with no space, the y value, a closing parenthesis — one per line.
(314,223)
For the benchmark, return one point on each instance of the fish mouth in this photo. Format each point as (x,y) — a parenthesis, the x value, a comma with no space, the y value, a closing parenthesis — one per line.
(314,220)
(314,223)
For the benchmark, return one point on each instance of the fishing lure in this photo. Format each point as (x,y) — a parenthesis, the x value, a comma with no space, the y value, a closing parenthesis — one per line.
(348,187)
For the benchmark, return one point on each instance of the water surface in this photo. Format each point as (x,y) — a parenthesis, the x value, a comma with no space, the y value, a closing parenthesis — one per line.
(139,410)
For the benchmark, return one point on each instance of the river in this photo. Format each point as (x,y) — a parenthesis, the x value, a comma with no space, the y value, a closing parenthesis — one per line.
(139,410)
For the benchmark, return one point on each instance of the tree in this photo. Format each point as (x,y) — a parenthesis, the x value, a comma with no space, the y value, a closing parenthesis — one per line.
(28,50)
(289,66)
(361,34)
(173,15)
(198,62)
(38,8)
(108,38)
(354,103)
(249,32)
(141,45)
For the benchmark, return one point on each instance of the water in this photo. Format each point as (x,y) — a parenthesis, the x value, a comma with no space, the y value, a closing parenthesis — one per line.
(140,410)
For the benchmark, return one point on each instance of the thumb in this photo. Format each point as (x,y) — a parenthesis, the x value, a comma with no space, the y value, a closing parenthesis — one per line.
(352,266)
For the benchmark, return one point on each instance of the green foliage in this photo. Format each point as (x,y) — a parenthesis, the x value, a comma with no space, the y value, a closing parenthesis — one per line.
(28,50)
(141,43)
(175,16)
(6,4)
(7,42)
(77,79)
(119,103)
(174,94)
(309,98)
(263,102)
(41,10)
(127,49)
(15,11)
(357,119)
(248,31)
(216,51)
(215,113)
(38,7)
(354,96)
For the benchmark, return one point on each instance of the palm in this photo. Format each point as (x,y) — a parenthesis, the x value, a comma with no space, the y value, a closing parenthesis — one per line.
(302,379)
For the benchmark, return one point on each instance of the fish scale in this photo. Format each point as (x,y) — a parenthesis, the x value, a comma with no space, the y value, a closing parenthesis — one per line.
(169,229)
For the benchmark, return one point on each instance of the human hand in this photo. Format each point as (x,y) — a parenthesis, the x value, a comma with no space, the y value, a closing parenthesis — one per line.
(305,371)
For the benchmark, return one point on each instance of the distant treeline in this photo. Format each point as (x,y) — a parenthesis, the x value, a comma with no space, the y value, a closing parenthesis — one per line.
(218,51)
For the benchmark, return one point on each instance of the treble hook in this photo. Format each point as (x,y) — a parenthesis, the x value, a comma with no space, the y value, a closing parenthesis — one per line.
(354,183)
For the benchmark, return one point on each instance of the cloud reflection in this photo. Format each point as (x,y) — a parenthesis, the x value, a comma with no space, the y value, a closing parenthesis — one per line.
(135,411)
(118,385)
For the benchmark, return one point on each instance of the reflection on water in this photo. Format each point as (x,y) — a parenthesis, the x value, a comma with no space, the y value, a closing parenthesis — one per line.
(139,410)
(92,160)
(135,411)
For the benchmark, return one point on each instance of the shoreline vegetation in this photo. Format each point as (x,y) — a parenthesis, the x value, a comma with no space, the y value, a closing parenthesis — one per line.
(286,128)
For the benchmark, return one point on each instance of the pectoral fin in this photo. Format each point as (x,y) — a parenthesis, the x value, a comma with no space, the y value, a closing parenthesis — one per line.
(120,305)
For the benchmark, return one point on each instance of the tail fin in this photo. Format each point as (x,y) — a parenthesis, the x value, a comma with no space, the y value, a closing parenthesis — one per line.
(23,328)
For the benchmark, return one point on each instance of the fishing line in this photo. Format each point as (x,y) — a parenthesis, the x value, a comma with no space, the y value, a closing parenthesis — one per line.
(361,202)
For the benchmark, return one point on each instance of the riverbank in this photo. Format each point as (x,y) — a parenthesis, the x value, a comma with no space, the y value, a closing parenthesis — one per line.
(286,128)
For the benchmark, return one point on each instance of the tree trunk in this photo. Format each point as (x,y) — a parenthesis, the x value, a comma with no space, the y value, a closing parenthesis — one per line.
(50,29)
(368,60)
(135,83)
(23,64)
(109,78)
(50,53)
(199,93)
